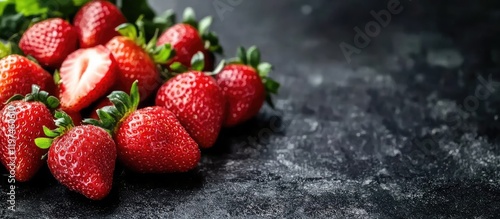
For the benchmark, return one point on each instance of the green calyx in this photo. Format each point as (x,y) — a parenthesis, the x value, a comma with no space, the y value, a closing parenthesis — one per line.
(9,48)
(252,57)
(210,39)
(197,64)
(160,54)
(63,122)
(110,117)
(37,95)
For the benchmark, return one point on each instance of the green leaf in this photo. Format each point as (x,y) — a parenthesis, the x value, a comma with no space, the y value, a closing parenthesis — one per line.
(5,50)
(178,67)
(204,25)
(264,68)
(105,117)
(52,102)
(271,86)
(220,66)
(30,7)
(134,95)
(253,56)
(163,54)
(92,122)
(63,120)
(14,98)
(189,17)
(49,133)
(269,101)
(198,61)
(127,30)
(80,2)
(241,53)
(43,143)
(141,39)
(57,77)
(3,4)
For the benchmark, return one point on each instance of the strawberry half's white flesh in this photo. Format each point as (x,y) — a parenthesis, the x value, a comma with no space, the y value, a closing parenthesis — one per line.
(86,75)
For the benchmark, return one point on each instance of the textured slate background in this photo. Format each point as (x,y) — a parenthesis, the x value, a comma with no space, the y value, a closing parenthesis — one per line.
(384,136)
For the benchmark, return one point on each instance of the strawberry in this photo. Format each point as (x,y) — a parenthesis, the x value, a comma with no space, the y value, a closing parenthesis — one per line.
(21,122)
(49,41)
(81,158)
(190,37)
(18,74)
(246,85)
(149,140)
(197,101)
(96,21)
(76,117)
(86,75)
(137,60)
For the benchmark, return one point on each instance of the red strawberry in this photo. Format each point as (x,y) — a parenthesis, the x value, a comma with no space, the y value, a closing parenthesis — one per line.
(49,41)
(96,21)
(185,40)
(76,117)
(18,75)
(190,37)
(245,85)
(81,158)
(21,122)
(149,140)
(198,103)
(86,75)
(137,61)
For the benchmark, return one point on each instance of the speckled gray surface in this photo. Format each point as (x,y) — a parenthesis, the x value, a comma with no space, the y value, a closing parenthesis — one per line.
(387,135)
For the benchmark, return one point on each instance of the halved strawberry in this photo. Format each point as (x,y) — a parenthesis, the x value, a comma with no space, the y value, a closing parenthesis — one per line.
(86,75)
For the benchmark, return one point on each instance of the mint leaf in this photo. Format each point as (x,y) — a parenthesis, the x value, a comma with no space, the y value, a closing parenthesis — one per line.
(12,22)
(3,4)
(30,7)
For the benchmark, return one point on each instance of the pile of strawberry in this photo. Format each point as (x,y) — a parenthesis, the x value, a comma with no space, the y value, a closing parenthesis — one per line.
(151,104)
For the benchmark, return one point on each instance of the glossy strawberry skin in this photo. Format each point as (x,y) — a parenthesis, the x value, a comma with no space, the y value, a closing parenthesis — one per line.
(198,103)
(185,40)
(49,41)
(134,64)
(18,74)
(151,140)
(98,76)
(83,159)
(96,21)
(244,92)
(20,124)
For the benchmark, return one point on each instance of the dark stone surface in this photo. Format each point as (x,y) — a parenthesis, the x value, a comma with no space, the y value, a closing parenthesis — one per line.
(384,136)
